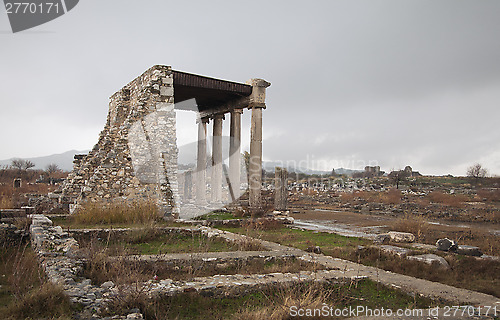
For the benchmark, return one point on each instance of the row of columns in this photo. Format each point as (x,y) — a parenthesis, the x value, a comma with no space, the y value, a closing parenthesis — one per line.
(255,165)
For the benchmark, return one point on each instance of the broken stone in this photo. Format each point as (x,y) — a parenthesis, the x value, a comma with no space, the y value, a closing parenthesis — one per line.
(430,259)
(469,251)
(397,251)
(107,285)
(446,245)
(382,239)
(404,237)
(314,249)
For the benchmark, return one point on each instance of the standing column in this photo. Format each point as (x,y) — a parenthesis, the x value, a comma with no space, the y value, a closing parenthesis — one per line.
(201,163)
(216,181)
(234,152)
(257,102)
(280,188)
(255,166)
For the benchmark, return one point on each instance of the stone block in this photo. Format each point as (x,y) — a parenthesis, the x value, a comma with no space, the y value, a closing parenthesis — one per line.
(430,259)
(469,250)
(402,237)
(397,251)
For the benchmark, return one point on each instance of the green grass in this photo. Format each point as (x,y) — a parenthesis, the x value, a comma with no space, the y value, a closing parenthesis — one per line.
(155,241)
(217,215)
(303,239)
(179,243)
(70,223)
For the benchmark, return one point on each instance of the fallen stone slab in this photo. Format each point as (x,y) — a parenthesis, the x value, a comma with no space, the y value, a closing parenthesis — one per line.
(430,259)
(397,251)
(423,246)
(401,237)
(469,251)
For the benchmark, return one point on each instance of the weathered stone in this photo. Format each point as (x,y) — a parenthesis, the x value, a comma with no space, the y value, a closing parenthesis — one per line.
(397,251)
(280,188)
(469,250)
(446,245)
(430,259)
(382,238)
(402,237)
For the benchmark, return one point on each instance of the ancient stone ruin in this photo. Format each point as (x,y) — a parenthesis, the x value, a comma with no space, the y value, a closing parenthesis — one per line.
(136,155)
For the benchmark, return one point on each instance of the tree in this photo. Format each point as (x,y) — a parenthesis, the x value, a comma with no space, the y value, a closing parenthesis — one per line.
(22,164)
(17,163)
(52,168)
(477,171)
(399,176)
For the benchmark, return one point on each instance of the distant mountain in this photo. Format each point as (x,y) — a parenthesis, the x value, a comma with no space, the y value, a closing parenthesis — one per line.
(348,172)
(63,160)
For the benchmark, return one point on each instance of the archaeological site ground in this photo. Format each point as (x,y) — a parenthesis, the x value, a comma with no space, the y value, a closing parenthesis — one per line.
(131,233)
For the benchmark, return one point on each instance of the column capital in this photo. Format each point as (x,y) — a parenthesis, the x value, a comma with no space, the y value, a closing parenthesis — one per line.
(256,105)
(237,110)
(256,82)
(258,96)
(218,116)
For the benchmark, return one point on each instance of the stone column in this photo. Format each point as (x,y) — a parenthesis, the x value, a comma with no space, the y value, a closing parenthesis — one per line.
(216,181)
(255,166)
(234,151)
(201,162)
(280,188)
(188,180)
(257,103)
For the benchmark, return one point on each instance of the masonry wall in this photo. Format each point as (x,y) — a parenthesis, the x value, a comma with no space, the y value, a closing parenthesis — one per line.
(136,155)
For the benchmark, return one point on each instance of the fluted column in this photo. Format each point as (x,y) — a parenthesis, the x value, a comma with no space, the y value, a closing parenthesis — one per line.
(216,181)
(234,152)
(201,162)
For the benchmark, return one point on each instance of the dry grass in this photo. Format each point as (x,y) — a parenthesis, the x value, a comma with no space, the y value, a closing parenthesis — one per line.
(393,196)
(492,195)
(117,212)
(25,292)
(302,297)
(45,302)
(465,272)
(262,224)
(417,225)
(452,200)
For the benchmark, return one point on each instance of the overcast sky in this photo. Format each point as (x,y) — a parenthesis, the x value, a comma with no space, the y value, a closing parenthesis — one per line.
(353,82)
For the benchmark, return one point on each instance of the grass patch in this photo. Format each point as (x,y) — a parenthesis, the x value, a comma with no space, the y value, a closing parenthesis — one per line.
(122,270)
(270,302)
(465,272)
(217,215)
(301,239)
(159,241)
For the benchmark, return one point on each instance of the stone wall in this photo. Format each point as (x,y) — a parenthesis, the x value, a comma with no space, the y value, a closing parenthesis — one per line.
(136,155)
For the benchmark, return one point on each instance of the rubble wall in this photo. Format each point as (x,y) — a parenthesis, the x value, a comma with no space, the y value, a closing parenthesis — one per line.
(135,157)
